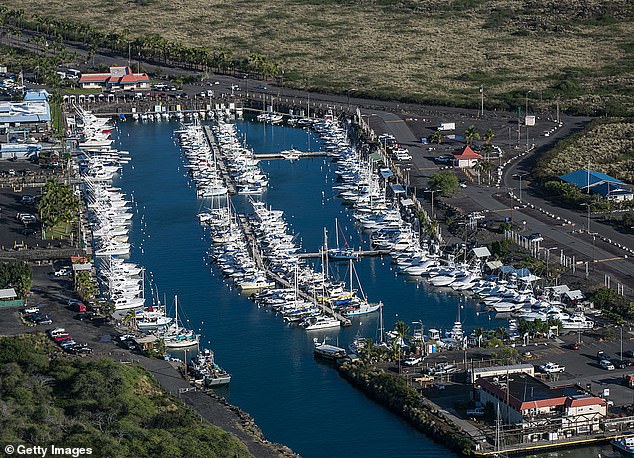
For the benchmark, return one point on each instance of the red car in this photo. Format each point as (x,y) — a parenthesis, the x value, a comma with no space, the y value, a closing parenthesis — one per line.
(574,346)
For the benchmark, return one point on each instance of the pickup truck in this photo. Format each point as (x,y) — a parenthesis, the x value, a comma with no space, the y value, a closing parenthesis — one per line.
(552,368)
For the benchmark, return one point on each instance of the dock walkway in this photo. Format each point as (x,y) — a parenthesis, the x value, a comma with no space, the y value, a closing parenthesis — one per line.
(211,139)
(251,238)
(360,253)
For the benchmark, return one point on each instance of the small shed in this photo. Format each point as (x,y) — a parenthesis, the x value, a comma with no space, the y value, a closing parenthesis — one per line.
(145,342)
(467,158)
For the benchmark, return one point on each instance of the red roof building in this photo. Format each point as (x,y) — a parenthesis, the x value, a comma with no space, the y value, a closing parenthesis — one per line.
(119,78)
(530,402)
(467,158)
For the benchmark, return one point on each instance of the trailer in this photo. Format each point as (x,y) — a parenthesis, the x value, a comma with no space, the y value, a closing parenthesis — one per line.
(447,126)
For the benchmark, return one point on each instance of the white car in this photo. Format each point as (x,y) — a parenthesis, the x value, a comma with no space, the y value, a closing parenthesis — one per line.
(413,361)
(606,364)
(552,368)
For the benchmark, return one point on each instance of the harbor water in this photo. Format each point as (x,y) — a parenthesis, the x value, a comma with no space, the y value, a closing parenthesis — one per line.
(295,399)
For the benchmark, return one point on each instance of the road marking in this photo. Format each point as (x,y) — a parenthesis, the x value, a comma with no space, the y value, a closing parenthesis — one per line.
(501,210)
(427,168)
(617,258)
(393,120)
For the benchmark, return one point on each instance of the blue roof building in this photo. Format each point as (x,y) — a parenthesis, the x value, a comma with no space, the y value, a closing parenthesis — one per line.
(31,95)
(599,183)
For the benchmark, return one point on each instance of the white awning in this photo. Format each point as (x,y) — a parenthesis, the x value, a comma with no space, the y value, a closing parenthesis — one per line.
(407,203)
(8,294)
(481,252)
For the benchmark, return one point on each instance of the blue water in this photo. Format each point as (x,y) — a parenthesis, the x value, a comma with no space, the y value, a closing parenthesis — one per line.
(295,399)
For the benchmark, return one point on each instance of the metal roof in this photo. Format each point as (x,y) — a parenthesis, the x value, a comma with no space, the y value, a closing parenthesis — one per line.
(581,178)
(32,111)
(481,252)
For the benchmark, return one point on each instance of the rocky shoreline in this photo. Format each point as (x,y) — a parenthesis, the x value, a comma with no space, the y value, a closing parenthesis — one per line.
(393,393)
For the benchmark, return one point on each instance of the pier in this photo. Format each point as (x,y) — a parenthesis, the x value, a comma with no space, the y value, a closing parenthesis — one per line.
(211,139)
(360,253)
(245,225)
(300,154)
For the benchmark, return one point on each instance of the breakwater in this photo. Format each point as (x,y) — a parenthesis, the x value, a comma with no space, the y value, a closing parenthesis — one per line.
(394,393)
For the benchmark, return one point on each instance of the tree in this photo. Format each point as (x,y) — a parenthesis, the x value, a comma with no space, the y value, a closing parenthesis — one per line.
(446,181)
(436,137)
(17,275)
(488,136)
(58,204)
(402,331)
(506,355)
(471,134)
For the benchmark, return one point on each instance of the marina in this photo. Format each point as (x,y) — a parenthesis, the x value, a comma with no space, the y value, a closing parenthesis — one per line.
(259,275)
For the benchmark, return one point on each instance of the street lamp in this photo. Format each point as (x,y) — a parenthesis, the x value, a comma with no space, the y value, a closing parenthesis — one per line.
(432,191)
(520,175)
(527,104)
(547,250)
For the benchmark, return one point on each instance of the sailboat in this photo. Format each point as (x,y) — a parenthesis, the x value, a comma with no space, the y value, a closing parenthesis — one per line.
(338,253)
(359,305)
(178,337)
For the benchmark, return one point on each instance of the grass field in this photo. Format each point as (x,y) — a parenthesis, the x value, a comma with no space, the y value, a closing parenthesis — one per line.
(435,50)
(607,145)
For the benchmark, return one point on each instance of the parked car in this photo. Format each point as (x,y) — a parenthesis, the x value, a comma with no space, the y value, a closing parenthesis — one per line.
(64,271)
(601,355)
(629,354)
(574,346)
(552,368)
(621,363)
(413,360)
(606,364)
(26,199)
(56,332)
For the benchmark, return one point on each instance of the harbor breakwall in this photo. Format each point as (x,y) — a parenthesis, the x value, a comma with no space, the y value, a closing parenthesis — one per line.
(393,393)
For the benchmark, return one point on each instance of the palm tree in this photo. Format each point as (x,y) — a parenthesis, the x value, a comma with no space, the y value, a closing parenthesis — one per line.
(436,137)
(402,332)
(471,134)
(488,136)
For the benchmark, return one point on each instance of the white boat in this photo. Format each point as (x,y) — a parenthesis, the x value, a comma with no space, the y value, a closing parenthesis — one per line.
(321,322)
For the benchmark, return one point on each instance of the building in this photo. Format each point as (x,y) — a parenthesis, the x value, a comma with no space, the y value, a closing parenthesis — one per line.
(21,121)
(599,183)
(118,79)
(9,298)
(466,159)
(539,408)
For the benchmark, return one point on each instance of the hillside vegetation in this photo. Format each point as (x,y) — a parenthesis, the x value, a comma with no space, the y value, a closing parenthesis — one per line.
(607,145)
(117,410)
(437,51)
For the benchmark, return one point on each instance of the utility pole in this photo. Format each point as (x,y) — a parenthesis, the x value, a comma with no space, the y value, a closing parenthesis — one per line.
(482,101)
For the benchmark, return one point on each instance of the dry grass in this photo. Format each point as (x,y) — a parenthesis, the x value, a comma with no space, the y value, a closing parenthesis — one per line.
(608,147)
(434,49)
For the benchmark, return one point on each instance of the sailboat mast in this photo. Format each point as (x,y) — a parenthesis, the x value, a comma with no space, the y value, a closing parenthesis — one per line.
(176,309)
(337,231)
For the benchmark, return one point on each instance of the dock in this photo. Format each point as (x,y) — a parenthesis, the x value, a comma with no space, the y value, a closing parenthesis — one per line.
(303,154)
(245,225)
(360,253)
(222,165)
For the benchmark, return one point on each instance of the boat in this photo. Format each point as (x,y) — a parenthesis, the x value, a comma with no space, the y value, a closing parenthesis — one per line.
(340,253)
(177,337)
(625,445)
(327,351)
(320,322)
(205,371)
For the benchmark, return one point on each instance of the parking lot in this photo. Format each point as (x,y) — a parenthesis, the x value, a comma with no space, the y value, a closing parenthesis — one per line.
(50,295)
